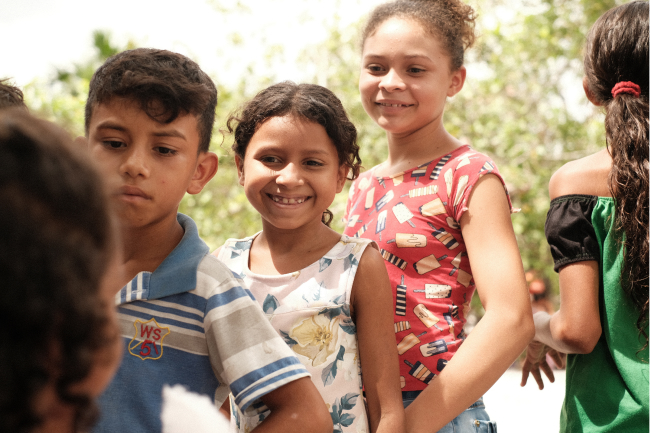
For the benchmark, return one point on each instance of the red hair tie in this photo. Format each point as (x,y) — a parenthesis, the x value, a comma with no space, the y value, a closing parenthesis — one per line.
(626,87)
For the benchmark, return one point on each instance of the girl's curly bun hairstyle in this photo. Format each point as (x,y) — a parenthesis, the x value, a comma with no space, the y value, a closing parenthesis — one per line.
(452,21)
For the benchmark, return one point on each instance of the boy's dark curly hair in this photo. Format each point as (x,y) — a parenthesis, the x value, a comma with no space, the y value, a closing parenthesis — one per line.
(308,101)
(166,84)
(617,50)
(10,96)
(451,21)
(55,241)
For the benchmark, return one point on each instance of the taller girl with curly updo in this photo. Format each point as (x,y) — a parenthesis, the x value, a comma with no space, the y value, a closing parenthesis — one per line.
(440,213)
(597,227)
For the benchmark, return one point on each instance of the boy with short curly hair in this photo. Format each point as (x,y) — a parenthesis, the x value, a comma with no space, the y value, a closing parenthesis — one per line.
(184,318)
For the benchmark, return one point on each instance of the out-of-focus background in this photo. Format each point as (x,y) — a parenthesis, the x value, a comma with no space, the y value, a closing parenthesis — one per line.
(522,102)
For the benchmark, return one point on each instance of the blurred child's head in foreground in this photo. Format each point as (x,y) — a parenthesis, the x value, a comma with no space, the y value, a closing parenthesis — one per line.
(58,337)
(10,96)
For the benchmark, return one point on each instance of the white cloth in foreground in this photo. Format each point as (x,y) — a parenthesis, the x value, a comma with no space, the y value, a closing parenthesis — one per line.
(187,412)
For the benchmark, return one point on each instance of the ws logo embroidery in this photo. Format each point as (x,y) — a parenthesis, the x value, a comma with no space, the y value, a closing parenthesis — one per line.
(148,338)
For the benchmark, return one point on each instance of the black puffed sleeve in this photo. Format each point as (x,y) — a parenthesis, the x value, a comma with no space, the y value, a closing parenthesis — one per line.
(569,230)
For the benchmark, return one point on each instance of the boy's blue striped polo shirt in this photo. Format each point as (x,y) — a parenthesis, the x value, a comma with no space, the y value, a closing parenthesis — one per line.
(190,322)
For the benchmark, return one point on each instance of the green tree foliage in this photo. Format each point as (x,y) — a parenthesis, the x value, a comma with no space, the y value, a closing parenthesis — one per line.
(518,112)
(221,210)
(62,98)
(513,106)
(520,105)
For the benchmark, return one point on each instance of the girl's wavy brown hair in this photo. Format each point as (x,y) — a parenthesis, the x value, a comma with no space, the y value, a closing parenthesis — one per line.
(617,50)
(307,101)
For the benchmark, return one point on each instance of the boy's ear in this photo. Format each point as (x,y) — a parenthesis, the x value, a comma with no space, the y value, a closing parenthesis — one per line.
(240,169)
(206,168)
(590,96)
(342,177)
(457,81)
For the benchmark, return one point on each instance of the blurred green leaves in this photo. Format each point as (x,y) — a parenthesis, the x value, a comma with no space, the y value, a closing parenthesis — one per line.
(521,104)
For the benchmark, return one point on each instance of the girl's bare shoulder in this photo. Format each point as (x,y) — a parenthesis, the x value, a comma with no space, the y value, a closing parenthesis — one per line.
(586,176)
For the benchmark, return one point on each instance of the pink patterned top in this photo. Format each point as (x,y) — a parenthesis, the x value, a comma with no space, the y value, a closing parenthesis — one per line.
(414,218)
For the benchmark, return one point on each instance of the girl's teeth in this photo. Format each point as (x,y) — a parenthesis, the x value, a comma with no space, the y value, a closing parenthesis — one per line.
(287,200)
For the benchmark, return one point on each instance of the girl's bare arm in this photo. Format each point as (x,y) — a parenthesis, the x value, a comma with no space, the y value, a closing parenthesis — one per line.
(505,329)
(296,407)
(372,308)
(575,327)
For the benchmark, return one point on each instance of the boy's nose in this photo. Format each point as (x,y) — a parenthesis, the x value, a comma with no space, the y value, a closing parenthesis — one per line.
(289,175)
(135,163)
(392,81)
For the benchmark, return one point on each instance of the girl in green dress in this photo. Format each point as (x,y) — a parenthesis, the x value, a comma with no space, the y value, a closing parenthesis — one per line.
(597,227)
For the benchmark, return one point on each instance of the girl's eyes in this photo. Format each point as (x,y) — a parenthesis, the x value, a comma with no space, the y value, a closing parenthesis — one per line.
(377,69)
(276,160)
(415,70)
(269,159)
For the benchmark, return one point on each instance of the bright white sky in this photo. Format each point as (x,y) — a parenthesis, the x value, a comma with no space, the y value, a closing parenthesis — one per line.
(39,35)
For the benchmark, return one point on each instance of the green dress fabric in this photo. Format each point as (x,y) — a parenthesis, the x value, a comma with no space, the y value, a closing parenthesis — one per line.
(607,389)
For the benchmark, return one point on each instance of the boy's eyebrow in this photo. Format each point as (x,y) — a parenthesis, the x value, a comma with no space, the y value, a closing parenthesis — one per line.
(111,125)
(169,133)
(117,127)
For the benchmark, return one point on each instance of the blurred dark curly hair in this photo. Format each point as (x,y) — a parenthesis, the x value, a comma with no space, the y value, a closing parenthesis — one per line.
(307,101)
(617,50)
(55,240)
(10,96)
(164,83)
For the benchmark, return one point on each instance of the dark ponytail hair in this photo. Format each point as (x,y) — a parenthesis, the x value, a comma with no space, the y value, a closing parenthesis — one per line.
(617,51)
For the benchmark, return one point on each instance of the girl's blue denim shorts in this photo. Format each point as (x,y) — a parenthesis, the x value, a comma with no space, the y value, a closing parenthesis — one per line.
(473,420)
